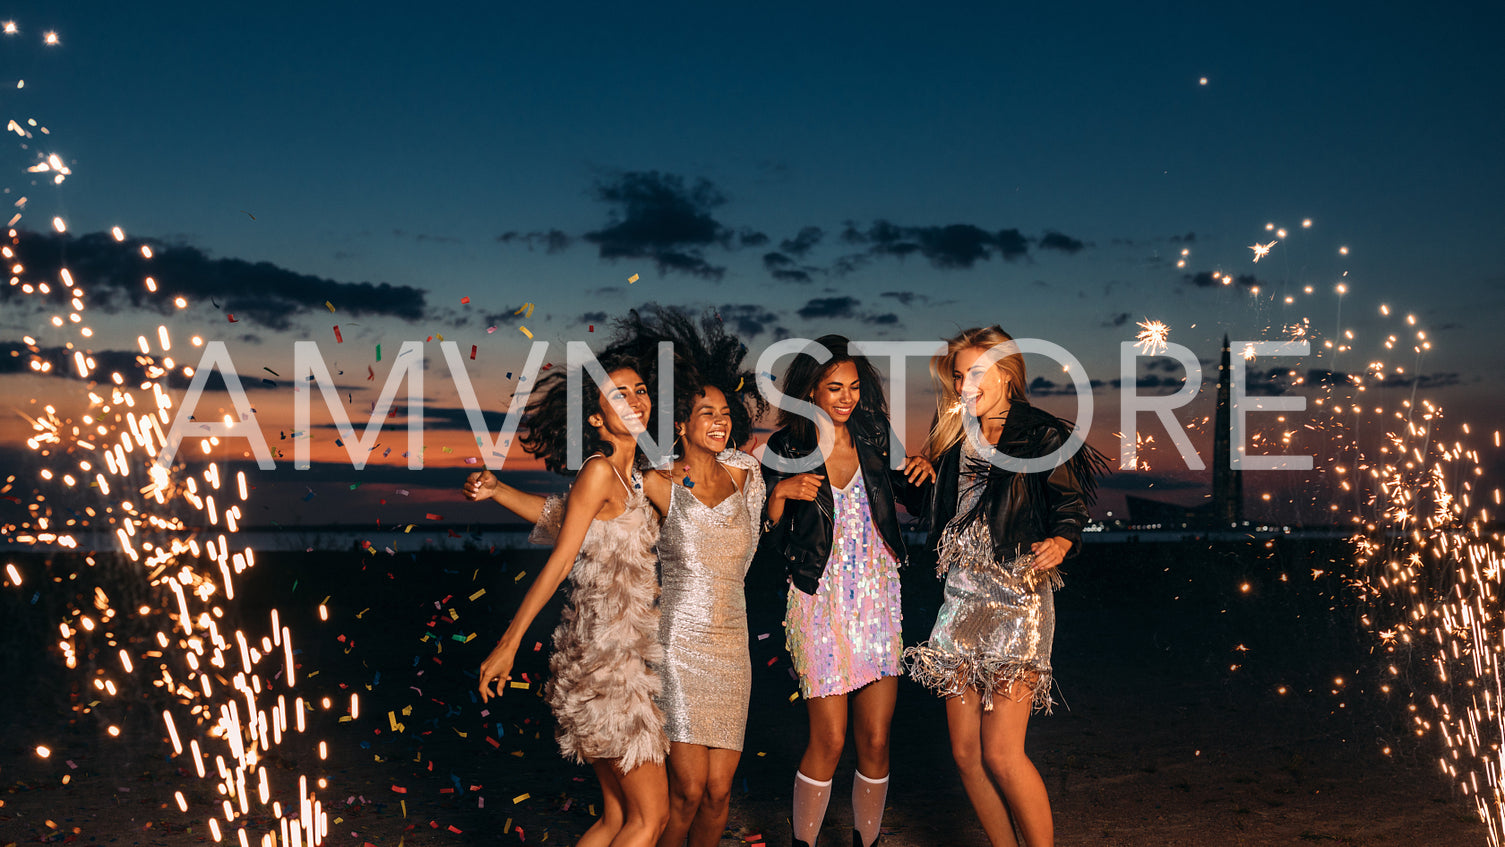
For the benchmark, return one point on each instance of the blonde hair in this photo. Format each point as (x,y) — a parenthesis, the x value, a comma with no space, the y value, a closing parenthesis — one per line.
(947,429)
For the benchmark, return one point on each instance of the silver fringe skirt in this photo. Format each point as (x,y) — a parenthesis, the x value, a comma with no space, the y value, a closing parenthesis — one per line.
(995,625)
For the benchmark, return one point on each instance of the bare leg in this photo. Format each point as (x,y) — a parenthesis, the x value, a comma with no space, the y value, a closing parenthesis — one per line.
(828,734)
(1003,755)
(964,718)
(710,820)
(613,803)
(646,789)
(687,783)
(872,716)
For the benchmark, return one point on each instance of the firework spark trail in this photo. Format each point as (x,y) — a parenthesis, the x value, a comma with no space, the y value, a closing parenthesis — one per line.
(1428,567)
(227,691)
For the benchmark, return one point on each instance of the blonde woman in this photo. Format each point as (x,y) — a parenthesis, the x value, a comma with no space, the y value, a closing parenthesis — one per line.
(999,536)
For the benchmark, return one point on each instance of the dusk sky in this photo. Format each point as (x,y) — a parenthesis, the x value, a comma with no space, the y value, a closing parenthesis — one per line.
(884,171)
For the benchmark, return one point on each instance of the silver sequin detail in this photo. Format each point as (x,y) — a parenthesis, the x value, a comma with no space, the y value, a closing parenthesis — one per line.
(997,618)
(704,553)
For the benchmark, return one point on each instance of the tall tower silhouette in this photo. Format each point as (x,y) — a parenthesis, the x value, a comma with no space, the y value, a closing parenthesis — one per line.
(1227,483)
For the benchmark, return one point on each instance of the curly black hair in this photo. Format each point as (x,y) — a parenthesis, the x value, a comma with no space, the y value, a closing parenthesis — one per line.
(805,374)
(547,414)
(704,355)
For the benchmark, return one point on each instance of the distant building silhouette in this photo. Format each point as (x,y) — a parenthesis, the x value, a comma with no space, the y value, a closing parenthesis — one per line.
(1226,505)
(1227,483)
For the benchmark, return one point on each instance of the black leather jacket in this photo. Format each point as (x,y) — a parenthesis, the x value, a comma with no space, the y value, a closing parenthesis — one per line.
(1023,508)
(803,536)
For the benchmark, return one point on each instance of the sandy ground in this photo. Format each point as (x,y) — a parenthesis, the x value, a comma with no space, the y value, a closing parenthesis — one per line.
(1169,734)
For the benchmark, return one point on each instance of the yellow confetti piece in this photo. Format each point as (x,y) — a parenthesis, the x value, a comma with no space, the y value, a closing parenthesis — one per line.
(362,612)
(517,753)
(740,380)
(519,577)
(519,798)
(330,305)
(525,330)
(469,638)
(344,718)
(526,310)
(459,733)
(453,615)
(404,805)
(477,595)
(794,696)
(392,719)
(407,710)
(407,529)
(516,684)
(507,827)
(632,279)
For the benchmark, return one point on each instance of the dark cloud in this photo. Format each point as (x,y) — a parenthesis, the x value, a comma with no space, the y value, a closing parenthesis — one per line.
(829,307)
(594,317)
(133,367)
(1117,320)
(1188,238)
(1324,377)
(1053,240)
(506,317)
(948,247)
(553,241)
(802,243)
(752,238)
(1160,385)
(112,273)
(784,269)
(885,319)
(423,237)
(906,298)
(1210,279)
(656,216)
(1042,387)
(750,319)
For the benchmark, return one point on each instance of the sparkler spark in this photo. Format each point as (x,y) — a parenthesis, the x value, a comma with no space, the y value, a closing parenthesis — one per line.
(1152,336)
(1263,250)
(221,700)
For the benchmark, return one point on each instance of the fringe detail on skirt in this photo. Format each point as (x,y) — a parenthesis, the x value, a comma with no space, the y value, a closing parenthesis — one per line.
(950,674)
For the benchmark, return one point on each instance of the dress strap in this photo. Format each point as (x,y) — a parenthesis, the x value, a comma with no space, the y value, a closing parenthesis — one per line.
(613,469)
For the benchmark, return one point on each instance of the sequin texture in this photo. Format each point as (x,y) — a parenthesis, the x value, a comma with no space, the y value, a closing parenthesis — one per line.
(847,634)
(997,619)
(704,552)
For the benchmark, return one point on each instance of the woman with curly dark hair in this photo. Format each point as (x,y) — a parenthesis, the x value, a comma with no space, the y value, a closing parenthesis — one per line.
(837,532)
(603,680)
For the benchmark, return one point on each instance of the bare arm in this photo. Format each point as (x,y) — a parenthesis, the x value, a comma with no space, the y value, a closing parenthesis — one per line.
(485,486)
(590,492)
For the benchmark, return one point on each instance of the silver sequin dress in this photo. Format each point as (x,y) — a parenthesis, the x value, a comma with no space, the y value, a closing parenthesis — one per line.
(997,618)
(704,552)
(847,634)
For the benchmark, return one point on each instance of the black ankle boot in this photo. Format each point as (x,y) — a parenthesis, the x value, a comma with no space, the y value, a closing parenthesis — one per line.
(857,839)
(795,842)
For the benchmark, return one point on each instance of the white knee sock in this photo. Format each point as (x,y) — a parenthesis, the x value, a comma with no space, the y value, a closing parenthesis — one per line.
(868,797)
(810,800)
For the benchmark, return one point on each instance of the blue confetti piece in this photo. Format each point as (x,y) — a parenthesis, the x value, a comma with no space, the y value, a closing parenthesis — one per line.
(376,680)
(35,597)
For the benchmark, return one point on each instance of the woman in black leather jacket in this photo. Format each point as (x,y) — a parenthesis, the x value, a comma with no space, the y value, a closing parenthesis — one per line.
(999,534)
(836,530)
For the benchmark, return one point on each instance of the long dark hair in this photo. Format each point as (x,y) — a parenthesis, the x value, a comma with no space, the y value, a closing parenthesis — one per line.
(707,355)
(805,374)
(547,414)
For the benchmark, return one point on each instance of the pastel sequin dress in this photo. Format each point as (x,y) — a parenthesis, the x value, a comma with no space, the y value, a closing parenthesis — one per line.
(847,634)
(997,618)
(704,552)
(603,680)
